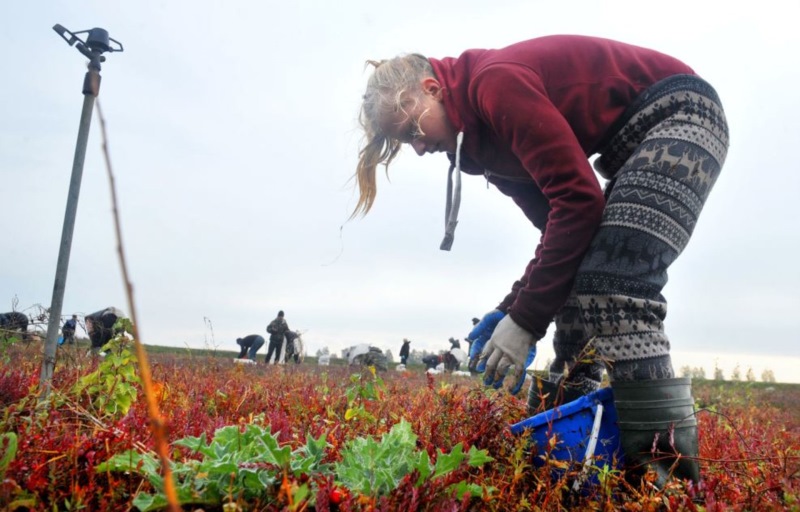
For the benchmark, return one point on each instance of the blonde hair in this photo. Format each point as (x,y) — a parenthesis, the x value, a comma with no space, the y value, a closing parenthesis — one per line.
(386,92)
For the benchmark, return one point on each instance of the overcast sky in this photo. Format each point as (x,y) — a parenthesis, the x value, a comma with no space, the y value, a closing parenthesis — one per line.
(233,135)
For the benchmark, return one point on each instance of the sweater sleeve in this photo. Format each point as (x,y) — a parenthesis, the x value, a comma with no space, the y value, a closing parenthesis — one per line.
(532,203)
(512,101)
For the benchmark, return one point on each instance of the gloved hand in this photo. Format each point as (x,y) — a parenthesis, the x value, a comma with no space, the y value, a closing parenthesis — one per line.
(509,345)
(481,333)
(531,356)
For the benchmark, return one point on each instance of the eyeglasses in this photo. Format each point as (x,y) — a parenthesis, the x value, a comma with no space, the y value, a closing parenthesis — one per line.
(410,130)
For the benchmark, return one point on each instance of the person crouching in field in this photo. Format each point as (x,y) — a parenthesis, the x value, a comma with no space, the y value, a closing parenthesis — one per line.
(526,118)
(100,326)
(250,345)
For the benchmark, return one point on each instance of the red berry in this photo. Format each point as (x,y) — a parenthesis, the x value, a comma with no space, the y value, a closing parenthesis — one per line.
(336,496)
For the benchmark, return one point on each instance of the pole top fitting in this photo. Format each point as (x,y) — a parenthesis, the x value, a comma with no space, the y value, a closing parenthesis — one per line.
(97,43)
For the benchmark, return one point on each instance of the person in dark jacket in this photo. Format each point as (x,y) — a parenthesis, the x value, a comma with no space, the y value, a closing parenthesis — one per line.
(431,361)
(293,346)
(405,351)
(100,326)
(277,330)
(526,118)
(250,345)
(13,322)
(68,330)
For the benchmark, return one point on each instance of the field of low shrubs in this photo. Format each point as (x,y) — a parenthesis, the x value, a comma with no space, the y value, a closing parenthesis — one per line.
(319,438)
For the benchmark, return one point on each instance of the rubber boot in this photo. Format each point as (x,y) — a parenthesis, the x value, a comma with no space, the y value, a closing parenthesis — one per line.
(544,394)
(658,428)
(582,379)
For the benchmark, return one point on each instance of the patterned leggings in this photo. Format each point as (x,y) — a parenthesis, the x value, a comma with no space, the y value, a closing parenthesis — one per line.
(662,164)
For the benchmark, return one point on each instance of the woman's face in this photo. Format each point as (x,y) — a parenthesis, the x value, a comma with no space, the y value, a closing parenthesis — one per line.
(424,124)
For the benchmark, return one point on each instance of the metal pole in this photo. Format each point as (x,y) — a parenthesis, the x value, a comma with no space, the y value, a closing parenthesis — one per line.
(92,83)
(97,42)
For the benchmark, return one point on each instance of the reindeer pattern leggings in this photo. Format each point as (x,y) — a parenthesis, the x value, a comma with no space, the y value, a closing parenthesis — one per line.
(661,165)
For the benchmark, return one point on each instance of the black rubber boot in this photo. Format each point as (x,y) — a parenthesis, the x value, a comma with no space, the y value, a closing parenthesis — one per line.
(658,428)
(544,394)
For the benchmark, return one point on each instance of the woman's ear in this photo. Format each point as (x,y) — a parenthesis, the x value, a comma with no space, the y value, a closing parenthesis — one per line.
(432,87)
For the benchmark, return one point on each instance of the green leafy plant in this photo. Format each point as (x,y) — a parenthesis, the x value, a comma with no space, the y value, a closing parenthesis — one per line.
(113,386)
(8,445)
(375,468)
(6,342)
(366,387)
(236,464)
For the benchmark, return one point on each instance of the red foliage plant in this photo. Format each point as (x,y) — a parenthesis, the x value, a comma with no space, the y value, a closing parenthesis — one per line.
(749,448)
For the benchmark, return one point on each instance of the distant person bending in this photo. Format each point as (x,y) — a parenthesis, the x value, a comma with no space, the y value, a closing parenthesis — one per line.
(250,345)
(100,326)
(13,321)
(451,362)
(277,329)
(431,361)
(294,346)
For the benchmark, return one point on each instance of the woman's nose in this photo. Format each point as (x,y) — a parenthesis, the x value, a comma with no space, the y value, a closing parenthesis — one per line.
(418,146)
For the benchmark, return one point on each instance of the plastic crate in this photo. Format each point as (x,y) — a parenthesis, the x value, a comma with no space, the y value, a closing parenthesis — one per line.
(571,424)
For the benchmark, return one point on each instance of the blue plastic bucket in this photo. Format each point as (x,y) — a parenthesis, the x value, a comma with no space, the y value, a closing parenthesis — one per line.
(571,424)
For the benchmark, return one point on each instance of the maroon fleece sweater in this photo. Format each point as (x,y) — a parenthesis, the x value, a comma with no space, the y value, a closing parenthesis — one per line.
(532,113)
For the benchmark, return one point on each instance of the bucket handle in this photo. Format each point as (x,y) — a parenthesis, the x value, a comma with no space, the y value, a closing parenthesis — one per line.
(598,416)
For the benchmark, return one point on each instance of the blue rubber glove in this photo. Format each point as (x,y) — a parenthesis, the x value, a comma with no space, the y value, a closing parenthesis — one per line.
(510,345)
(481,333)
